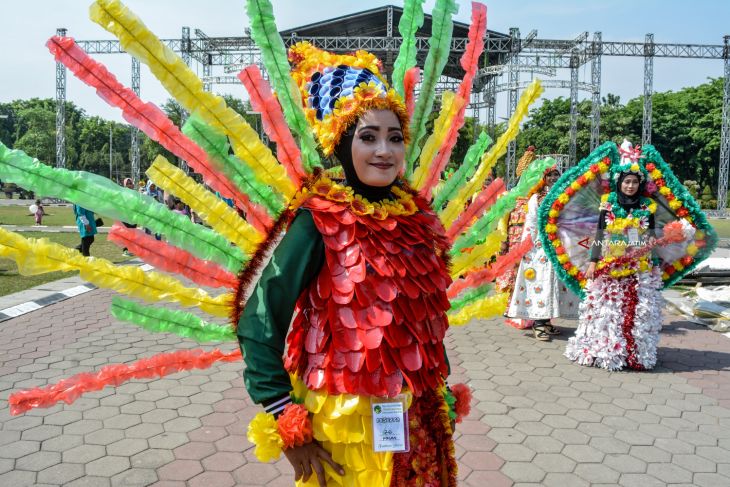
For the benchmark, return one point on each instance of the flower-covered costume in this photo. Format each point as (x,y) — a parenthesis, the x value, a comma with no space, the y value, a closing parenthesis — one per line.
(583,221)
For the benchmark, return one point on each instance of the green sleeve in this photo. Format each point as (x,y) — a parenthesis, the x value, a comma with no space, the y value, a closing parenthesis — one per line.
(265,320)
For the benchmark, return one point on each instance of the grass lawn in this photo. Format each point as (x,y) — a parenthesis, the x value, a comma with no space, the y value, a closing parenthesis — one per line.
(722,227)
(56,216)
(11,281)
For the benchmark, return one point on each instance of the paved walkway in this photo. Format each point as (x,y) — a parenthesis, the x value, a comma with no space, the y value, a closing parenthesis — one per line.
(539,420)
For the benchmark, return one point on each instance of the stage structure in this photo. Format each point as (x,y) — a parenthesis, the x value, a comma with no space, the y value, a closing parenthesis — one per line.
(506,56)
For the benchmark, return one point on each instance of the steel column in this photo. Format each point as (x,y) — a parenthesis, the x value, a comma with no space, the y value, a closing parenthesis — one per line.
(648,88)
(596,100)
(60,109)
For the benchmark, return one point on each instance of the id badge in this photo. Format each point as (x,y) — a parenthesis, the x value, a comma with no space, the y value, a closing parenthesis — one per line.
(390,424)
(633,236)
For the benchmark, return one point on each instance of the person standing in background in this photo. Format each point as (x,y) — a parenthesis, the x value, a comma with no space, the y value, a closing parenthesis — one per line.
(86,223)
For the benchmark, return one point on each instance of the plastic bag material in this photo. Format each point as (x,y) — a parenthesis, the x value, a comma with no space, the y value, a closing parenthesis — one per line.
(477,256)
(410,21)
(470,63)
(438,55)
(473,234)
(483,201)
(273,53)
(171,259)
(264,204)
(487,307)
(180,81)
(223,219)
(145,116)
(528,97)
(450,105)
(272,118)
(41,256)
(161,365)
(466,170)
(469,296)
(111,200)
(478,277)
(180,323)
(413,76)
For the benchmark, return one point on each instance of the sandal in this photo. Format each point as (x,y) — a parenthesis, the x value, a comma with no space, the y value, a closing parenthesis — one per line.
(540,333)
(551,330)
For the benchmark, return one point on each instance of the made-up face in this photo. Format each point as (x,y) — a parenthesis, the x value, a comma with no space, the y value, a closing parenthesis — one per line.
(630,185)
(378,148)
(551,178)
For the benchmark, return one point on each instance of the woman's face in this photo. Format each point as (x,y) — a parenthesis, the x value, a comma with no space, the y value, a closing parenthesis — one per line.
(630,185)
(378,148)
(552,178)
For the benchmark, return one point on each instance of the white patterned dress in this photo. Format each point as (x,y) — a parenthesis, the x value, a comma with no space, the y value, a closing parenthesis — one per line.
(538,293)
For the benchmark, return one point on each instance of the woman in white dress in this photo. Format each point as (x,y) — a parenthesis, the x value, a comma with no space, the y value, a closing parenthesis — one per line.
(538,294)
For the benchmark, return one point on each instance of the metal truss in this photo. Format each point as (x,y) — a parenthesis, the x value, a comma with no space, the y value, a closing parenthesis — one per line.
(135,130)
(539,56)
(60,109)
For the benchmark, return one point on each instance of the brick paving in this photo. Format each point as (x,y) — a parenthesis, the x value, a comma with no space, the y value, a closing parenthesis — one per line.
(537,419)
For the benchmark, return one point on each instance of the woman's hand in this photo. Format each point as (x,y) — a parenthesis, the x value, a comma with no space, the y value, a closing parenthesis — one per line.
(591,270)
(308,458)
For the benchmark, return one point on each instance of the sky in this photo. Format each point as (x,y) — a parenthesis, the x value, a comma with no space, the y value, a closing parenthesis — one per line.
(27,69)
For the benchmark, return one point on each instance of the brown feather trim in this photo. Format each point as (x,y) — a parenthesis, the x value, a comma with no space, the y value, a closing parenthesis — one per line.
(246,276)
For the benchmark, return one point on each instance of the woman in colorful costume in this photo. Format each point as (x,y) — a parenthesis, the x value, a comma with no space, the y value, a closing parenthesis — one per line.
(363,263)
(538,294)
(645,237)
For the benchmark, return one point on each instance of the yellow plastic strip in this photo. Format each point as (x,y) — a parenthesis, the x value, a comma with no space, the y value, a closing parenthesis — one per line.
(214,211)
(478,256)
(180,81)
(35,256)
(450,106)
(456,205)
(484,308)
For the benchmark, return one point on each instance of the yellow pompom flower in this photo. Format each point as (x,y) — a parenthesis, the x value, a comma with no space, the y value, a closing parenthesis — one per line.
(575,185)
(530,274)
(573,271)
(692,249)
(603,166)
(263,432)
(563,258)
(551,228)
(664,190)
(678,266)
(665,276)
(563,198)
(557,243)
(656,174)
(699,234)
(675,204)
(553,213)
(589,176)
(634,167)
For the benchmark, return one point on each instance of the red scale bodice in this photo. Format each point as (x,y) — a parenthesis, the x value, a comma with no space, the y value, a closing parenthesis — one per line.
(376,314)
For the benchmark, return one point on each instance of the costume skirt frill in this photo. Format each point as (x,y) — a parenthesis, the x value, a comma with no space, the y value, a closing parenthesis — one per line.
(342,423)
(619,322)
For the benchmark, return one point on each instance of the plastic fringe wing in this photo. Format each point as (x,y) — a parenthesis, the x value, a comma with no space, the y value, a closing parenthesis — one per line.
(451,104)
(180,81)
(171,259)
(438,55)
(410,21)
(145,116)
(41,256)
(273,52)
(213,211)
(111,200)
(160,365)
(448,188)
(487,307)
(180,323)
(528,97)
(504,204)
(272,118)
(470,63)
